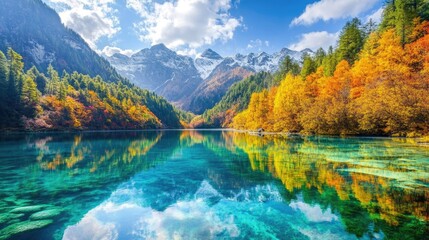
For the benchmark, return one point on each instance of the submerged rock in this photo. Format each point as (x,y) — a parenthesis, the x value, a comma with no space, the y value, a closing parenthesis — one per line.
(10,199)
(8,216)
(16,220)
(50,213)
(27,209)
(17,202)
(21,227)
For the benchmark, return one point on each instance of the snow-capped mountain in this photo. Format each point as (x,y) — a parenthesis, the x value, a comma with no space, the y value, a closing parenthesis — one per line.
(212,89)
(188,82)
(206,62)
(268,62)
(161,70)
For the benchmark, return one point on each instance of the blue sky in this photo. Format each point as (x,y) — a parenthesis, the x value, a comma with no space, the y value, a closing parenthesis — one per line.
(226,26)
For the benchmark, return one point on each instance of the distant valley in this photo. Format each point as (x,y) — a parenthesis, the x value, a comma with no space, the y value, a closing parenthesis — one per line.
(194,84)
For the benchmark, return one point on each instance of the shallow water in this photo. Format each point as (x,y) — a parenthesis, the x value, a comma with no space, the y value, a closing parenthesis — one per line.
(211,185)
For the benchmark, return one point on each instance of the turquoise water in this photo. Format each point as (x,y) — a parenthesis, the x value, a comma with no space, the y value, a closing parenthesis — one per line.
(211,185)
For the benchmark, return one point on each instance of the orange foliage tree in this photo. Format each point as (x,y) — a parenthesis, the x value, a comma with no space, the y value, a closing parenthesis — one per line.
(385,92)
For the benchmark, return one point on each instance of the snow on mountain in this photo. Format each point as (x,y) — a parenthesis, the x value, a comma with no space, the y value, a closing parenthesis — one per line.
(268,62)
(159,69)
(189,82)
(206,62)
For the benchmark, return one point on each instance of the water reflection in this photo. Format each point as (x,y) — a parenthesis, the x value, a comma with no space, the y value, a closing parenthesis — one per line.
(211,185)
(69,173)
(375,184)
(330,188)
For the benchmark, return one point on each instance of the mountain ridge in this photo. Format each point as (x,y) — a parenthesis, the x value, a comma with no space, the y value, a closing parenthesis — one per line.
(165,72)
(34,31)
(189,82)
(53,44)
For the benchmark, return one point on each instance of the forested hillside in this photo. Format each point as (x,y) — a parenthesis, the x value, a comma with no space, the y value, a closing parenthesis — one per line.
(238,96)
(34,101)
(375,82)
(35,31)
(235,100)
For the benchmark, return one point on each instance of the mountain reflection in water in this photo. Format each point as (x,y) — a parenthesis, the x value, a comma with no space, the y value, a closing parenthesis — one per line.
(211,185)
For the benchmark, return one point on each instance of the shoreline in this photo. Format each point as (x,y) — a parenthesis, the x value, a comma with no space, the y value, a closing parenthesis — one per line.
(421,141)
(424,140)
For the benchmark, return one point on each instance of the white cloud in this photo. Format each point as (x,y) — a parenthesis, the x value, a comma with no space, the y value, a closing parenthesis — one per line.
(91,226)
(257,44)
(267,43)
(254,43)
(92,19)
(192,219)
(188,52)
(314,213)
(375,16)
(332,9)
(109,51)
(142,7)
(183,24)
(315,40)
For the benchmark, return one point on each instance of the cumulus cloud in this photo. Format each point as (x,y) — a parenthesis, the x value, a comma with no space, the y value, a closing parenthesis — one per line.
(183,24)
(315,40)
(109,51)
(375,16)
(332,9)
(92,19)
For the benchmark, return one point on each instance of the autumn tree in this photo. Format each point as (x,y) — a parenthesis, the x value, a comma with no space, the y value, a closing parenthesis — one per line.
(32,101)
(400,15)
(384,91)
(287,104)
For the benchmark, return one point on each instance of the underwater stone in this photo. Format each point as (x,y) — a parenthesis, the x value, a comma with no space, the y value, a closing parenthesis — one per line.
(8,216)
(21,227)
(10,199)
(13,221)
(27,209)
(50,213)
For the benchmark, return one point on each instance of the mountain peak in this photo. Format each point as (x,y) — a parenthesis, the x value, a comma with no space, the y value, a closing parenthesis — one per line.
(209,53)
(158,50)
(307,50)
(287,51)
(159,47)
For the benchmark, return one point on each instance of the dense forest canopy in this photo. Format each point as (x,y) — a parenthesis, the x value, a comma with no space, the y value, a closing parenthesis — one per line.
(375,82)
(34,101)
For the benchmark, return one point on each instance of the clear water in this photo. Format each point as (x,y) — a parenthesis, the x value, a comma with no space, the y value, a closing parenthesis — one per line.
(211,185)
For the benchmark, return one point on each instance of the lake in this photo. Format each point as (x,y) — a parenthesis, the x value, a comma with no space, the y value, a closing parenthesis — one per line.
(211,185)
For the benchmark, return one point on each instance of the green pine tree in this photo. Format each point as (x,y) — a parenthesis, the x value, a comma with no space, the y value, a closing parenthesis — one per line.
(308,65)
(351,41)
(330,62)
(4,76)
(400,15)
